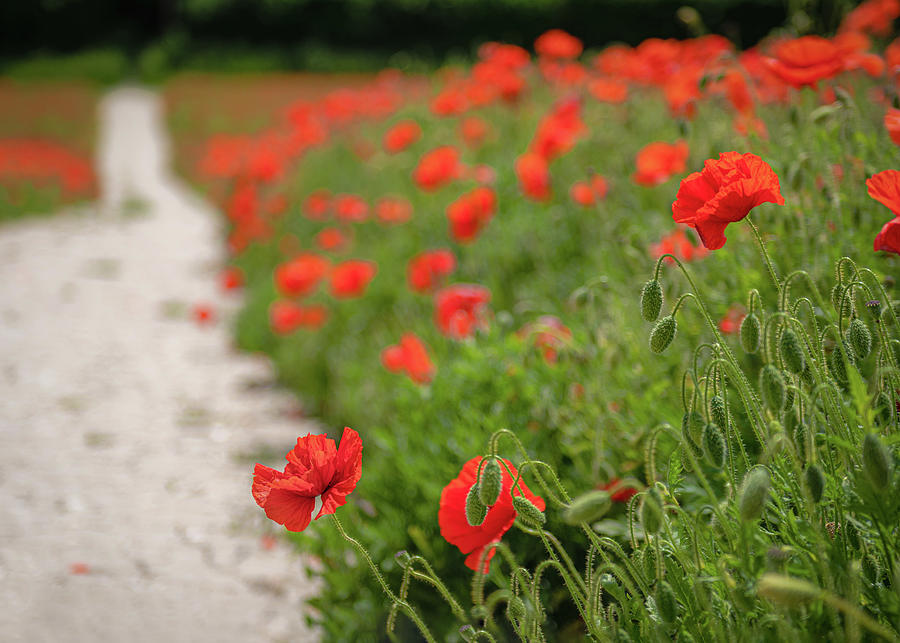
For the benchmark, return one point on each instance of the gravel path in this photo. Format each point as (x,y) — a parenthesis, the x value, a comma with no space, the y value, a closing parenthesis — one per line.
(126,428)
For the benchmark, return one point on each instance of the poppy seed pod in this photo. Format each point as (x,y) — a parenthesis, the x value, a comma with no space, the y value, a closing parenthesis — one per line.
(491,483)
(717,410)
(750,330)
(666,602)
(528,512)
(877,463)
(714,444)
(785,590)
(651,512)
(860,338)
(651,300)
(792,351)
(753,494)
(587,507)
(884,410)
(815,481)
(837,366)
(771,385)
(663,334)
(476,512)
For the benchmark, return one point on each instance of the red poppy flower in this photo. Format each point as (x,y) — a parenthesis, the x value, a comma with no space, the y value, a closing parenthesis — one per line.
(427,269)
(889,237)
(317,205)
(549,335)
(315,468)
(231,278)
(873,16)
(724,192)
(460,309)
(473,130)
(351,278)
(556,43)
(730,324)
(608,90)
(558,130)
(437,168)
(203,314)
(455,528)
(411,356)
(620,492)
(287,316)
(657,162)
(331,239)
(587,193)
(892,124)
(678,245)
(393,209)
(803,62)
(300,276)
(534,176)
(350,207)
(401,136)
(884,187)
(470,213)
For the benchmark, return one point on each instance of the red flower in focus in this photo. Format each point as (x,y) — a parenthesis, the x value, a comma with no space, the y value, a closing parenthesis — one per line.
(470,213)
(803,62)
(315,468)
(620,492)
(393,209)
(411,356)
(317,205)
(456,529)
(724,192)
(889,237)
(351,278)
(350,207)
(884,187)
(460,309)
(331,239)
(678,245)
(730,324)
(437,168)
(473,130)
(549,335)
(892,124)
(556,43)
(203,314)
(427,269)
(401,136)
(300,275)
(657,162)
(231,278)
(534,176)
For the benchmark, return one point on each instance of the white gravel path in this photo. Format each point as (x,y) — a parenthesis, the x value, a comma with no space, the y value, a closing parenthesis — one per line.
(122,421)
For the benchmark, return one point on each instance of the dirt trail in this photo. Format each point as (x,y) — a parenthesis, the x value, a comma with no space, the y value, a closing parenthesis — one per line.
(122,422)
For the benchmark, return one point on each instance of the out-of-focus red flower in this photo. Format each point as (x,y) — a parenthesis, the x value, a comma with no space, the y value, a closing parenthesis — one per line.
(40,161)
(437,168)
(620,492)
(460,309)
(892,124)
(315,468)
(331,239)
(587,193)
(608,90)
(203,314)
(549,335)
(803,62)
(427,269)
(730,324)
(287,316)
(455,528)
(351,278)
(558,130)
(682,92)
(470,213)
(409,356)
(892,56)
(393,209)
(724,192)
(231,278)
(317,205)
(873,16)
(534,176)
(737,92)
(451,101)
(300,276)
(350,207)
(657,162)
(884,187)
(746,124)
(401,136)
(473,130)
(79,569)
(678,245)
(888,239)
(556,43)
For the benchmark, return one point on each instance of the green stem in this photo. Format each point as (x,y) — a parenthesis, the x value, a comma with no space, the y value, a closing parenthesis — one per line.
(765,254)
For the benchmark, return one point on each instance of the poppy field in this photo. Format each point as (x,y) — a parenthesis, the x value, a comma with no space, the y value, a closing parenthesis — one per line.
(615,336)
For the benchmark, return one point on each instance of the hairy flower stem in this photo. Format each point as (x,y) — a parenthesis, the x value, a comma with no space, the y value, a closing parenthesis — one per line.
(765,254)
(406,607)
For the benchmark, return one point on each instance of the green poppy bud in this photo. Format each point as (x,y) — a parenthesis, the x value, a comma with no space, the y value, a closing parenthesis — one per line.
(402,557)
(476,512)
(860,338)
(663,334)
(750,330)
(528,512)
(753,494)
(787,591)
(666,603)
(651,300)
(771,385)
(717,410)
(871,570)
(815,482)
(792,351)
(515,609)
(884,410)
(877,462)
(714,444)
(491,483)
(587,507)
(651,512)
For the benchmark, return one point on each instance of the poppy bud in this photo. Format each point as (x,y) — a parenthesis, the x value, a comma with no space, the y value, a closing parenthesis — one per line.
(491,483)
(837,296)
(884,410)
(837,366)
(662,334)
(749,333)
(785,590)
(515,609)
(800,433)
(860,338)
(753,494)
(871,570)
(852,532)
(402,557)
(876,462)
(717,410)
(815,481)
(651,512)
(714,443)
(587,507)
(467,633)
(792,352)
(528,512)
(476,512)
(666,603)
(651,300)
(771,385)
